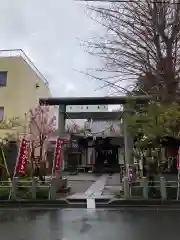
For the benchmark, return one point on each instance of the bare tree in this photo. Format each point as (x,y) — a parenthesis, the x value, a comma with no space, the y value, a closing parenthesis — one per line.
(141,43)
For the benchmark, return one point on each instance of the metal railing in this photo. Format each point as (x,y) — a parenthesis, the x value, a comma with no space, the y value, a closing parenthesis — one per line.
(20,53)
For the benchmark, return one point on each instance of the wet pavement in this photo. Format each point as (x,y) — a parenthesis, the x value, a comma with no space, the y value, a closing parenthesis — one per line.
(83,224)
(95,190)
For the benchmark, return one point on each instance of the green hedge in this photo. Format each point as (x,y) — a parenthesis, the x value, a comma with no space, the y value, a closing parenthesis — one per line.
(171,193)
(4,193)
(24,193)
(137,192)
(42,193)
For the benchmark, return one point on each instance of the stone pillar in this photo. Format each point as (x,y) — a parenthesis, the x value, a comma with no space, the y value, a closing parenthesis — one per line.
(145,188)
(163,188)
(53,188)
(126,187)
(61,120)
(61,131)
(128,139)
(14,188)
(34,186)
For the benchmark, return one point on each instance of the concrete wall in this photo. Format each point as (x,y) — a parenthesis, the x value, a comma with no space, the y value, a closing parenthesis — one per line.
(21,92)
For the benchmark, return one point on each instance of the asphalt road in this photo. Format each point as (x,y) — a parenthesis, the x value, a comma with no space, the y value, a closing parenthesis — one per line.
(82,224)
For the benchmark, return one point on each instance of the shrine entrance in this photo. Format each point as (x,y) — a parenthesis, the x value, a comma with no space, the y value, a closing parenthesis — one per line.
(106,157)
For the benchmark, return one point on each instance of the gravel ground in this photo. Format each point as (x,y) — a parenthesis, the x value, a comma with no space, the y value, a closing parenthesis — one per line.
(81,182)
(79,186)
(113,180)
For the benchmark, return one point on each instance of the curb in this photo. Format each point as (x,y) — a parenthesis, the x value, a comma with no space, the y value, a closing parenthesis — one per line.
(54,204)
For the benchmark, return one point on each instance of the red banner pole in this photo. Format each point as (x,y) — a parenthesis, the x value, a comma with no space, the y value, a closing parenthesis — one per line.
(57,156)
(17,160)
(21,158)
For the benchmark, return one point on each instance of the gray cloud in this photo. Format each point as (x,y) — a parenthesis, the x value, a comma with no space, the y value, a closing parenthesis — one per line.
(48,33)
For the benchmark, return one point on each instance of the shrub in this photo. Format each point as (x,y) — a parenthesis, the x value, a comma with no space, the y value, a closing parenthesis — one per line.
(42,193)
(4,193)
(171,193)
(25,193)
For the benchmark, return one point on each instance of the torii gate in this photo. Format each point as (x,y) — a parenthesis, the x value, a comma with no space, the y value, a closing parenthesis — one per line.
(119,100)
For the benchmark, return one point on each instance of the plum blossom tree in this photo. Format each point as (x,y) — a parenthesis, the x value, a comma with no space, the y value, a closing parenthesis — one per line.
(42,123)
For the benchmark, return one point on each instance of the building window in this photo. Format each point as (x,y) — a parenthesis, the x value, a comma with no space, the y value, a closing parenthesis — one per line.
(3,78)
(1,113)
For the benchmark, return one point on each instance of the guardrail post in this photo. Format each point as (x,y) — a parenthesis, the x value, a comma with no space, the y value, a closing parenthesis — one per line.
(145,188)
(65,183)
(126,187)
(163,188)
(34,186)
(14,188)
(53,188)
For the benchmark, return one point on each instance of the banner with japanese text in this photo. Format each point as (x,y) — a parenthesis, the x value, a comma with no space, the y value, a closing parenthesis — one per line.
(22,157)
(57,155)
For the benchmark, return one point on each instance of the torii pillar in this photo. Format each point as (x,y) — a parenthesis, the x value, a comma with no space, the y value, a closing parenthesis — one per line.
(128,138)
(61,132)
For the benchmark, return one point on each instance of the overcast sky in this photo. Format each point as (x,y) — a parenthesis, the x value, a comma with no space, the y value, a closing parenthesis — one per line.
(48,31)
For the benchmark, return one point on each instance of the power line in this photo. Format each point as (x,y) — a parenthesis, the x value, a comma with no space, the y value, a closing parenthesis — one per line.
(127,1)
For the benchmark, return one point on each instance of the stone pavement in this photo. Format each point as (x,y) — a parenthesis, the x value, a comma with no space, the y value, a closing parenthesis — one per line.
(113,180)
(82,177)
(105,186)
(94,191)
(97,188)
(81,182)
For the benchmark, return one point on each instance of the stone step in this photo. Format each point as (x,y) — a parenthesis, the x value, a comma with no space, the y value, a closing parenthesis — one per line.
(83,196)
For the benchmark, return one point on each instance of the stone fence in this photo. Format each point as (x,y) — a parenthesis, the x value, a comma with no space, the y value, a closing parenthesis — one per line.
(32,189)
(145,189)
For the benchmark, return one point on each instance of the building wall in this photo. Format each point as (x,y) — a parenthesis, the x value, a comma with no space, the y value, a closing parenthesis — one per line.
(10,95)
(33,87)
(21,92)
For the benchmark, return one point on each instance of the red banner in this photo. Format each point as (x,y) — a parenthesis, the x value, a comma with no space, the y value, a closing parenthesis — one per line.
(57,160)
(22,157)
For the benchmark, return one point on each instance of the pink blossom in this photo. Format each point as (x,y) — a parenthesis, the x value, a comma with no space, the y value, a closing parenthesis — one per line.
(41,125)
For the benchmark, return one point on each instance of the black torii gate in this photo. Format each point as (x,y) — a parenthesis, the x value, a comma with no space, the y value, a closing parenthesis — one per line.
(119,100)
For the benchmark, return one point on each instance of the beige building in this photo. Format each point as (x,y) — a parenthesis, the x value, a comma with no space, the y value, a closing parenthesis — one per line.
(21,85)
